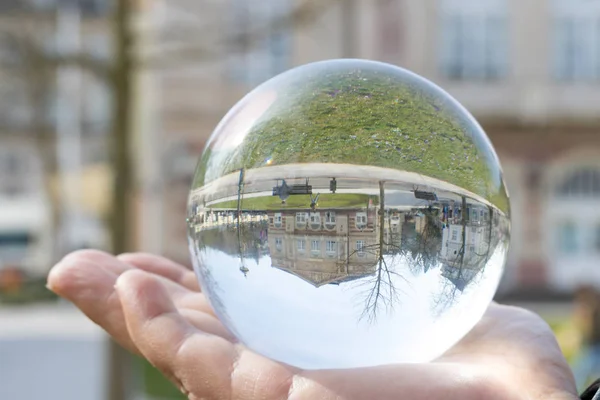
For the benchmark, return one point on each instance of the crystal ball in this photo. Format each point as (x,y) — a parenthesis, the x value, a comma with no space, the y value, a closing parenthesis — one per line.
(348,213)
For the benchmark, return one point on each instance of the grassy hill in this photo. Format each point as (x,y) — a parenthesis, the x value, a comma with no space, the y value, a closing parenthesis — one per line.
(368,114)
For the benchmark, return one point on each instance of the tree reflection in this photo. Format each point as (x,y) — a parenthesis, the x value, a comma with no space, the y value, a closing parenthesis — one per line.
(421,248)
(463,262)
(380,291)
(368,248)
(243,235)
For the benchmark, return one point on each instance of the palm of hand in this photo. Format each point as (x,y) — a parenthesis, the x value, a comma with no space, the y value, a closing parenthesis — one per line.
(153,307)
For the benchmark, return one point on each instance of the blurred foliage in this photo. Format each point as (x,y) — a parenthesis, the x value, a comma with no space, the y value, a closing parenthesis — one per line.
(27,292)
(568,337)
(155,384)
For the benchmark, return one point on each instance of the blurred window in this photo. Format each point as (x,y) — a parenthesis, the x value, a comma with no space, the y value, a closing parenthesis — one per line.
(331,247)
(13,245)
(582,183)
(89,7)
(576,40)
(301,244)
(454,234)
(390,28)
(96,106)
(474,39)
(360,247)
(261,39)
(315,246)
(17,112)
(567,237)
(15,172)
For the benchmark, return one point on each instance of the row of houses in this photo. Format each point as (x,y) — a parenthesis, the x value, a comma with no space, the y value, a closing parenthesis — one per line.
(331,246)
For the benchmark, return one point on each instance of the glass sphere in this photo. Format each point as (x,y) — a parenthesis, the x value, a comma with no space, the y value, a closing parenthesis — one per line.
(348,213)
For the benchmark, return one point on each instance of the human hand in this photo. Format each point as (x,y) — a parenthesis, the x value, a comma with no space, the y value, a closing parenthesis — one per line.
(154,308)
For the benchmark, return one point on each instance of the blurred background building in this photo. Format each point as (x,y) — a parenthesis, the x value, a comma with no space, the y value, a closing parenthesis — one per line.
(528,71)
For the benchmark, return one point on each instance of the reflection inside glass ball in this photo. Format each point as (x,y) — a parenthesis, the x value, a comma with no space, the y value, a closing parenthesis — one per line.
(349,213)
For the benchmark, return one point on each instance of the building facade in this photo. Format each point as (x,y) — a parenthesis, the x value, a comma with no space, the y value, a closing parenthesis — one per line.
(324,246)
(33,103)
(528,71)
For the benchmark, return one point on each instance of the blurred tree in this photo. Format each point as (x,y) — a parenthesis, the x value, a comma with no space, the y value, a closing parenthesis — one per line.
(28,60)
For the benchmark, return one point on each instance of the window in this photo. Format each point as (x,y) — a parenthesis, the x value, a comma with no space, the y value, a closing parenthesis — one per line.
(360,247)
(277,220)
(10,53)
(576,40)
(254,61)
(315,246)
(472,249)
(582,183)
(361,220)
(301,219)
(567,238)
(454,235)
(301,243)
(473,39)
(390,29)
(96,106)
(315,220)
(18,111)
(13,245)
(331,247)
(330,218)
(278,243)
(84,5)
(14,163)
(17,173)
(99,44)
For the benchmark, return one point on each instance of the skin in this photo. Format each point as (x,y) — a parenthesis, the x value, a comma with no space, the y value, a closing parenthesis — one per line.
(154,308)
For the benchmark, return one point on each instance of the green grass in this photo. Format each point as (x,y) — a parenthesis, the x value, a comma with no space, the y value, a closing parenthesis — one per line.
(156,385)
(328,200)
(368,117)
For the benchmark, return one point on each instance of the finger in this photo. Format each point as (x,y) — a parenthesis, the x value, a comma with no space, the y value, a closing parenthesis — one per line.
(164,267)
(91,289)
(197,362)
(147,262)
(87,279)
(183,296)
(175,273)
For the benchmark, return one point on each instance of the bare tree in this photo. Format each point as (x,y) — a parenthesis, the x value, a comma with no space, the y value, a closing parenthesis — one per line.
(380,291)
(466,267)
(421,251)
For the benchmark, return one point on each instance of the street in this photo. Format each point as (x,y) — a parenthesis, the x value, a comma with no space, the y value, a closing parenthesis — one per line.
(350,179)
(50,352)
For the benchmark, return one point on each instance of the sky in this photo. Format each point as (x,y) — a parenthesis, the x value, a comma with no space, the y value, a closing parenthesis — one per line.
(289,320)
